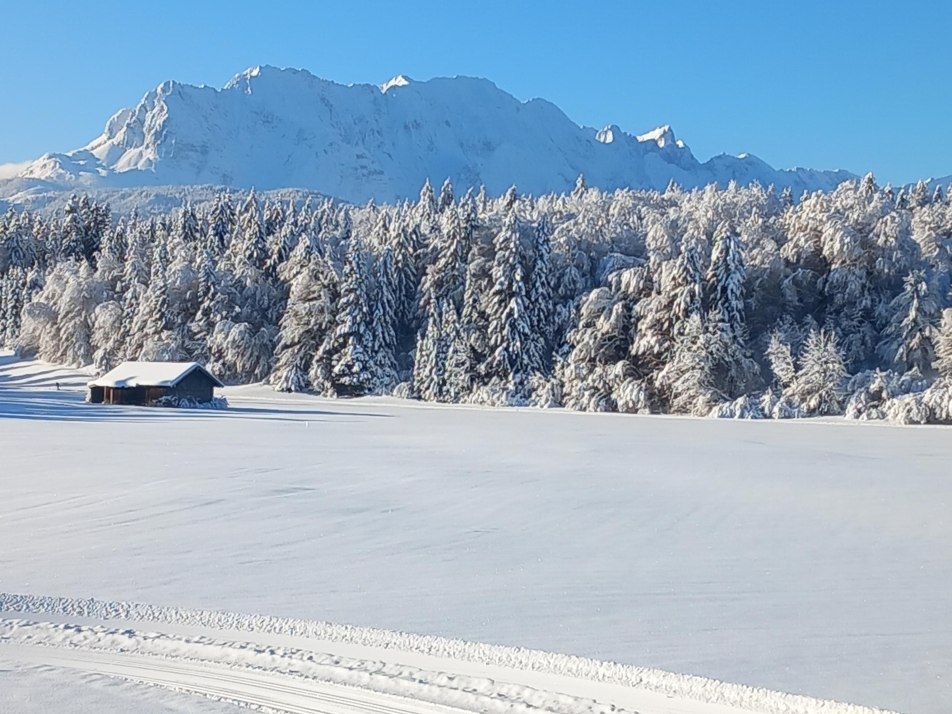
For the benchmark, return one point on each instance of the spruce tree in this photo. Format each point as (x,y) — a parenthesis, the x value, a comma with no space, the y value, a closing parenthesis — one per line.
(540,300)
(383,323)
(310,315)
(688,380)
(509,362)
(429,357)
(943,346)
(819,385)
(914,317)
(351,374)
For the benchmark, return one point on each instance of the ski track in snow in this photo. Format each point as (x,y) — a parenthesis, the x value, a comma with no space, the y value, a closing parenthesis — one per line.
(260,690)
(290,679)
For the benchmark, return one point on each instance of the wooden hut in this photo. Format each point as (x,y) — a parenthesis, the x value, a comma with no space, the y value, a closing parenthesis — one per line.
(145,382)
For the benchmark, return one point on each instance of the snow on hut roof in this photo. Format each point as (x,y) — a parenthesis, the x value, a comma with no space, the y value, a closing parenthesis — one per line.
(149,374)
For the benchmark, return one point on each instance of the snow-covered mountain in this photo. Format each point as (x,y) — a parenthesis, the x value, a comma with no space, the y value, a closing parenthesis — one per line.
(274,128)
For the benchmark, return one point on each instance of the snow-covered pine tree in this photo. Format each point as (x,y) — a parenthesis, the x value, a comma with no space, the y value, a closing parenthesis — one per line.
(11,304)
(457,379)
(250,247)
(427,363)
(913,318)
(686,283)
(509,363)
(240,352)
(598,342)
(473,321)
(187,228)
(273,218)
(149,329)
(351,373)
(407,276)
(819,385)
(943,346)
(383,320)
(725,278)
(445,277)
(307,321)
(115,243)
(662,297)
(540,300)
(221,224)
(579,191)
(688,379)
(18,246)
(72,242)
(726,324)
(426,207)
(75,308)
(110,335)
(446,199)
(780,358)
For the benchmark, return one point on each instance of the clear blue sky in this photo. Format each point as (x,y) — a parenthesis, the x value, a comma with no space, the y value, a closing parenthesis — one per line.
(855,85)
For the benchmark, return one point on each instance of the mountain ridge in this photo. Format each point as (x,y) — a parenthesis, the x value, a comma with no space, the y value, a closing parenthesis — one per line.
(274,128)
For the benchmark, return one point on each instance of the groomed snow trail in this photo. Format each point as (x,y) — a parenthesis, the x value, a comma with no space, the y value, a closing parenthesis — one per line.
(261,690)
(360,671)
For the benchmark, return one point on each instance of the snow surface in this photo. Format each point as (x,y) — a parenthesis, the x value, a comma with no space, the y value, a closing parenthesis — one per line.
(272,128)
(41,689)
(810,558)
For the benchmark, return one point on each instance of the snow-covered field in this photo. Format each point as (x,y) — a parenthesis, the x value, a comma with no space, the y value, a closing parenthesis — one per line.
(813,558)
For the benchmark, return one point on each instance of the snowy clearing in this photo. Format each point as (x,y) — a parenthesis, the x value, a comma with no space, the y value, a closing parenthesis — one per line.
(811,558)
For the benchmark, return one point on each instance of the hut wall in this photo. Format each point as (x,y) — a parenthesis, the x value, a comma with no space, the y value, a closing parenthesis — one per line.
(195,385)
(154,393)
(129,395)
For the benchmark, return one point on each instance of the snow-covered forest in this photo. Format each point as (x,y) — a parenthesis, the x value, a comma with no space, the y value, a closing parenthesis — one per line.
(735,302)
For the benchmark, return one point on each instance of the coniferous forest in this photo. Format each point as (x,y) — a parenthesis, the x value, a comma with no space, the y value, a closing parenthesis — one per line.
(733,302)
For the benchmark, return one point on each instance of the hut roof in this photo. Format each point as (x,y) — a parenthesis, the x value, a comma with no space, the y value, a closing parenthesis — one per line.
(150,374)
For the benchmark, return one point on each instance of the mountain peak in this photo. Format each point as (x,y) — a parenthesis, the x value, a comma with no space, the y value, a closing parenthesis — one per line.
(269,74)
(401,80)
(663,136)
(609,135)
(287,128)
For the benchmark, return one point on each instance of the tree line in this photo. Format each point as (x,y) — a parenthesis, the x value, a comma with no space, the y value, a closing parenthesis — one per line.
(730,302)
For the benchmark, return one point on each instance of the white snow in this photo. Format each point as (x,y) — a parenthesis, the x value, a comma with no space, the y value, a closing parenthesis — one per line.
(399,81)
(147,374)
(810,558)
(662,136)
(28,688)
(278,128)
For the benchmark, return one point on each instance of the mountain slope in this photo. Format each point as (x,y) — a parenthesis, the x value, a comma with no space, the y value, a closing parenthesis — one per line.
(274,128)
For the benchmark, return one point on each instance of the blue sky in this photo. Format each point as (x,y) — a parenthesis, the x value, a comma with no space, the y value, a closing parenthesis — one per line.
(861,86)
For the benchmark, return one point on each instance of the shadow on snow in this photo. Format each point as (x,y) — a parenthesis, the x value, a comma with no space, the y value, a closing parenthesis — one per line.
(44,405)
